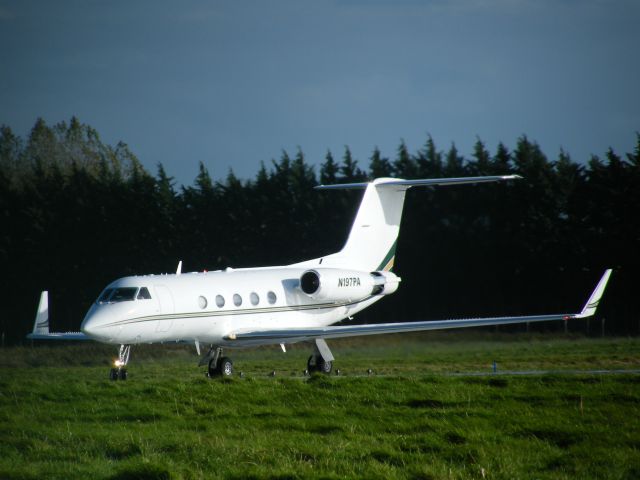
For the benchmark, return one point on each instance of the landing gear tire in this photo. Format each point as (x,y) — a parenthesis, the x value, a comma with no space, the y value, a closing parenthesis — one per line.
(317,364)
(325,367)
(213,370)
(118,374)
(311,364)
(226,367)
(223,368)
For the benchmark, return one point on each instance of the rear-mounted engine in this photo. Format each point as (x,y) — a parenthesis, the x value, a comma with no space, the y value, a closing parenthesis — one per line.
(346,285)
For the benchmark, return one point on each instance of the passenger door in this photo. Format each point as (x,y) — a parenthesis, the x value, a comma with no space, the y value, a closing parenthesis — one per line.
(166,308)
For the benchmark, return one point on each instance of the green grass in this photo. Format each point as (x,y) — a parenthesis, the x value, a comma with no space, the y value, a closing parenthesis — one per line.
(61,418)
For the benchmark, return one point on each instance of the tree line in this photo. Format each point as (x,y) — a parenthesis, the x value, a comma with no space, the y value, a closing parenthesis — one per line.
(78,213)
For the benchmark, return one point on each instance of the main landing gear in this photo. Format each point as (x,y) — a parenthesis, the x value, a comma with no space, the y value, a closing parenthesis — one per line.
(322,358)
(222,368)
(119,370)
(219,366)
(317,364)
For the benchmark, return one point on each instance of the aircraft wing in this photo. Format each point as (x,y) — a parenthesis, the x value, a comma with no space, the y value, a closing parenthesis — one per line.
(58,336)
(41,324)
(292,335)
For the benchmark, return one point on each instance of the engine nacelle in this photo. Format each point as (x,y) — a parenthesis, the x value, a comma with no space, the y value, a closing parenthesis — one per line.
(337,285)
(386,283)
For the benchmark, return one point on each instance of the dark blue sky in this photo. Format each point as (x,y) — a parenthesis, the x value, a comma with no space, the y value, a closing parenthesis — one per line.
(233,83)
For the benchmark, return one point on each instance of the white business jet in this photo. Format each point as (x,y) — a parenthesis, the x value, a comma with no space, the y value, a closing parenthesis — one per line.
(236,308)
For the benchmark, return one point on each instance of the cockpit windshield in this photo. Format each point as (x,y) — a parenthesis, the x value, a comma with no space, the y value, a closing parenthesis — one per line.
(104,298)
(124,294)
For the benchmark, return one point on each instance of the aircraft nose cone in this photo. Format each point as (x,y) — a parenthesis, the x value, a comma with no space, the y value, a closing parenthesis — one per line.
(88,327)
(91,323)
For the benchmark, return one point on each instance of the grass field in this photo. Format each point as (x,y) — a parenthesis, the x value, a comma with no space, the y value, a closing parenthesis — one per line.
(418,416)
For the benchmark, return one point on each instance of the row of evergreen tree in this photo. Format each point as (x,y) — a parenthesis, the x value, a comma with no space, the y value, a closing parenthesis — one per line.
(77,213)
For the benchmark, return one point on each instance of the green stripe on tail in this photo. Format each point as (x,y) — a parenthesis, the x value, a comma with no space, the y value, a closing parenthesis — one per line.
(387,263)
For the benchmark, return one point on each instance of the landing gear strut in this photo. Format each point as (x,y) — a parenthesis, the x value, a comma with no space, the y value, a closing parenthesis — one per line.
(219,366)
(119,370)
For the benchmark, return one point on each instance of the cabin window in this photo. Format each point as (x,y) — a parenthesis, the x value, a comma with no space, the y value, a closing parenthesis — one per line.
(202,302)
(104,298)
(271,298)
(219,301)
(237,300)
(144,294)
(124,294)
(255,299)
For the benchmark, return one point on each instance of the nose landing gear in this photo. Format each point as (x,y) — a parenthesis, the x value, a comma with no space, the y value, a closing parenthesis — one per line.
(119,370)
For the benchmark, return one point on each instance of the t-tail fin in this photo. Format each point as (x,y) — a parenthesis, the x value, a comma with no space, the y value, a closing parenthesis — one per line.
(371,244)
(373,238)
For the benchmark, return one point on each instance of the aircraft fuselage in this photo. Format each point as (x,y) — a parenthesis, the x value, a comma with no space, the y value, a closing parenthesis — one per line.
(205,306)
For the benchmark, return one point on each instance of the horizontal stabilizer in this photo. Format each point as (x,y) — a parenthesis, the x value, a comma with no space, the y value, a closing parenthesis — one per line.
(427,182)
